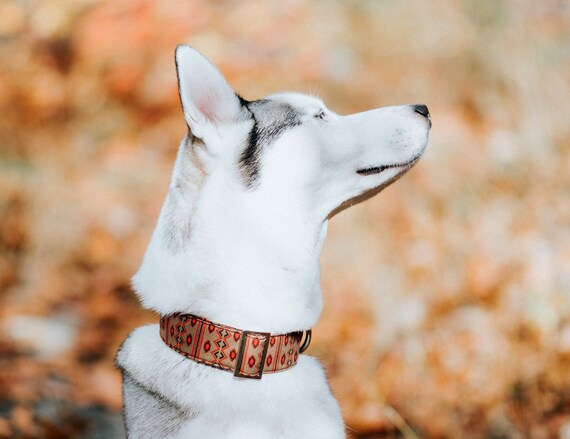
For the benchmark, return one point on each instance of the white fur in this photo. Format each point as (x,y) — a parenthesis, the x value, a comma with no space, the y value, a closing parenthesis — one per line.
(294,404)
(249,257)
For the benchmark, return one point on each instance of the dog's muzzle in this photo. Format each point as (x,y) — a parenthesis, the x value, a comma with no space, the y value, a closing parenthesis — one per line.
(247,354)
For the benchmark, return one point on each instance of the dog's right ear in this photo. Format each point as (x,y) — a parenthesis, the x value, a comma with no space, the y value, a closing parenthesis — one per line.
(207,99)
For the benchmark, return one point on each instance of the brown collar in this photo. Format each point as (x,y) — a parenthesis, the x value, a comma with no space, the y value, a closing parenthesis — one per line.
(247,354)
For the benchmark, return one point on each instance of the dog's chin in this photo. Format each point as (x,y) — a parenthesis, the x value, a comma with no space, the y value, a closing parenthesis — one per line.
(369,193)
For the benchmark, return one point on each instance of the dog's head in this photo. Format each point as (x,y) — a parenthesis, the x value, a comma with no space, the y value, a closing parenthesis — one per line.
(290,149)
(252,190)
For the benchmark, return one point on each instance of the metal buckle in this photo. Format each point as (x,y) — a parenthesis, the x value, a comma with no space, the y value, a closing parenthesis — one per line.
(307,341)
(242,344)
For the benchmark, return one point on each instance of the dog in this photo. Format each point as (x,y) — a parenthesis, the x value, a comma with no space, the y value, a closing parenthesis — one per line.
(232,266)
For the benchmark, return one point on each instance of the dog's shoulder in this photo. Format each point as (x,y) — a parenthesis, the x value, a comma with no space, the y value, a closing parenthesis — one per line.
(147,360)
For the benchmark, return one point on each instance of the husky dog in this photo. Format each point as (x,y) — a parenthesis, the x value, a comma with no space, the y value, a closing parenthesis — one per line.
(237,245)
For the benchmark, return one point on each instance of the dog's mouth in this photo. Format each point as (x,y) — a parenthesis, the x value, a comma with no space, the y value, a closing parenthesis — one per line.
(373,170)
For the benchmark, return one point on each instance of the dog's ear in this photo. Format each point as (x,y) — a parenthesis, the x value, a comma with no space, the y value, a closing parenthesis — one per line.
(207,99)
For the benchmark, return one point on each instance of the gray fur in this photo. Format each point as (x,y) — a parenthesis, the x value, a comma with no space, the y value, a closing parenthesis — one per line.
(270,120)
(177,229)
(166,417)
(177,211)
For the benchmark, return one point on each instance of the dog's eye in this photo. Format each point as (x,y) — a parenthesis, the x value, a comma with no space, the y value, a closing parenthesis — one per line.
(321,115)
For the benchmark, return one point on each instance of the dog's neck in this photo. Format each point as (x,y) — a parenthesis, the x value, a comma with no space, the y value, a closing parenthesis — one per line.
(236,257)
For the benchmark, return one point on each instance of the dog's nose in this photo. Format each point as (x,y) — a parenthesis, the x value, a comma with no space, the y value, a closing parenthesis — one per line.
(421,109)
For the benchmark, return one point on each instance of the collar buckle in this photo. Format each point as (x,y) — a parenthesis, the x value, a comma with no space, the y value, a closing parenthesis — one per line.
(251,356)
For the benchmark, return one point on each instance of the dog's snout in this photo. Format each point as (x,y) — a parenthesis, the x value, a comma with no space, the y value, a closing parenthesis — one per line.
(421,109)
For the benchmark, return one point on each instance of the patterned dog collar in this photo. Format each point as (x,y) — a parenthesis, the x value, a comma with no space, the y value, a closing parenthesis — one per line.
(247,354)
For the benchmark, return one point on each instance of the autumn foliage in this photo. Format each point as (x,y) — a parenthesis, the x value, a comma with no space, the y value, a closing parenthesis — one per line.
(447,297)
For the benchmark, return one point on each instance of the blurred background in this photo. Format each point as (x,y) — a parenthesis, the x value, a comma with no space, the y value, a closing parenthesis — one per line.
(447,297)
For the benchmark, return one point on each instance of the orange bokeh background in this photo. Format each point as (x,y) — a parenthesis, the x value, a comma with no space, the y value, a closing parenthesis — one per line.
(447,297)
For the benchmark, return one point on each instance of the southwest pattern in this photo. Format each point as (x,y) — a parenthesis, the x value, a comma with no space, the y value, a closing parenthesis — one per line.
(246,353)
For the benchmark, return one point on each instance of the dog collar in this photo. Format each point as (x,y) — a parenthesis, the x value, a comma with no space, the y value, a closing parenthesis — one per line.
(247,354)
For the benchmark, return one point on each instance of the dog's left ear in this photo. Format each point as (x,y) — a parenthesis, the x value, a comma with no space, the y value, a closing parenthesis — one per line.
(207,99)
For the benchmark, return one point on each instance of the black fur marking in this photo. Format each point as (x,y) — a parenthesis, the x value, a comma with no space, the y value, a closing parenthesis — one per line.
(249,160)
(270,120)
